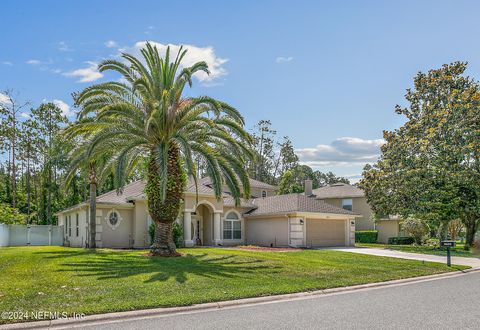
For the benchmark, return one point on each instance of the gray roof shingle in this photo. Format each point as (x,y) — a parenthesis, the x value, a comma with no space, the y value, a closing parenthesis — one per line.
(338,190)
(293,203)
(259,206)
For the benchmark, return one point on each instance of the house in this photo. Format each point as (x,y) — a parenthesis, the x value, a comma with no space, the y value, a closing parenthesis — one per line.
(352,198)
(264,219)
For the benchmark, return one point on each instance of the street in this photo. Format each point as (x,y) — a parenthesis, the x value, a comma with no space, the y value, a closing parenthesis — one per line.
(449,303)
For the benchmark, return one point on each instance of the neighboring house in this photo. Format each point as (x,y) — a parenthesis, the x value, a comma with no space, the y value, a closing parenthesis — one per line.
(353,199)
(265,219)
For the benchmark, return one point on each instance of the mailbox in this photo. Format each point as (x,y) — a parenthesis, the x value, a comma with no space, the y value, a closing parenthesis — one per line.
(447,243)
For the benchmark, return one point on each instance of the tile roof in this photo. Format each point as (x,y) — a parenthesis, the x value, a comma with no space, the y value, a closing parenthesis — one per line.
(293,203)
(338,190)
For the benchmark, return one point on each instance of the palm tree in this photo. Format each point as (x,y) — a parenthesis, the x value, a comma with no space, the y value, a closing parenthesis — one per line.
(94,166)
(146,119)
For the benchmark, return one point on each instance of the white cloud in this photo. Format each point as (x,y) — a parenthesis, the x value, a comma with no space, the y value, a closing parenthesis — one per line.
(63,47)
(7,63)
(34,62)
(344,151)
(4,99)
(25,115)
(87,74)
(194,54)
(39,62)
(111,44)
(64,107)
(282,59)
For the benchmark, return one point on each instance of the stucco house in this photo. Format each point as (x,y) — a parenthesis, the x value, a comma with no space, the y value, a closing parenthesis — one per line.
(352,198)
(264,219)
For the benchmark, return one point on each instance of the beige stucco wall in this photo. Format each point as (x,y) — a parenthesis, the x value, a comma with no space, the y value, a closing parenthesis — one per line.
(256,192)
(121,236)
(387,229)
(190,202)
(141,237)
(360,206)
(73,239)
(265,232)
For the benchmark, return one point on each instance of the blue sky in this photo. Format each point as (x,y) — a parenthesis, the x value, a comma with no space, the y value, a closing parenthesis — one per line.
(326,73)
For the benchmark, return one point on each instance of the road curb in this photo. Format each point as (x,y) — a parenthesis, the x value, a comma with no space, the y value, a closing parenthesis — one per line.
(132,315)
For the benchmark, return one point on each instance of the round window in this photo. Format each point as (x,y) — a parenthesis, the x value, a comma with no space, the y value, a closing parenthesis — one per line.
(113,219)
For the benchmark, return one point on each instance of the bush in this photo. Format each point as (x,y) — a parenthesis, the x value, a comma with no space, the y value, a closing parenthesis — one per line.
(417,229)
(366,236)
(433,243)
(400,240)
(177,231)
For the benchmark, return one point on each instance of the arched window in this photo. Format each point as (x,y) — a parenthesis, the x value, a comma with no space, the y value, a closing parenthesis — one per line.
(232,226)
(264,193)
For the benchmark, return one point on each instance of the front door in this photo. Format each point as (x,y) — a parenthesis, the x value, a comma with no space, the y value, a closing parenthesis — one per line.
(197,230)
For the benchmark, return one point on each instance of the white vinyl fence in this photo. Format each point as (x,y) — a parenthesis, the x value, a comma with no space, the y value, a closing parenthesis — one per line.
(25,235)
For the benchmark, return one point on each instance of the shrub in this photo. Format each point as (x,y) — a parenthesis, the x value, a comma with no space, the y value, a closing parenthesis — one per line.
(415,228)
(177,231)
(433,243)
(366,236)
(400,240)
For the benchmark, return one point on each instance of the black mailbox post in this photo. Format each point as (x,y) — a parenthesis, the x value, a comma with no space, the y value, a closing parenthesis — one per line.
(448,245)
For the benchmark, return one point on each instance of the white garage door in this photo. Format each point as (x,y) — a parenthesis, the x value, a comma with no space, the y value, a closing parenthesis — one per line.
(325,232)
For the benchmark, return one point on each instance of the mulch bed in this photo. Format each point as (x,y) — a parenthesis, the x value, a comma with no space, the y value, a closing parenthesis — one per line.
(270,249)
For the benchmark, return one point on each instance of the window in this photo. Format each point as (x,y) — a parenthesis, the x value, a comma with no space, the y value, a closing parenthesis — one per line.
(264,193)
(76,225)
(113,219)
(69,225)
(65,224)
(232,226)
(347,204)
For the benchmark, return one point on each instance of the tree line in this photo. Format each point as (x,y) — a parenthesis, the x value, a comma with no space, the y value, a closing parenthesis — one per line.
(35,158)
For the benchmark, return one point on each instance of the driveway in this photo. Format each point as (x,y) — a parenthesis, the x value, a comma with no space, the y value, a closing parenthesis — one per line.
(472,262)
(447,303)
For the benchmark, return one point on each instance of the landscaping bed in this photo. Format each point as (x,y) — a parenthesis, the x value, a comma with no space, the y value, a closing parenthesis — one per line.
(74,280)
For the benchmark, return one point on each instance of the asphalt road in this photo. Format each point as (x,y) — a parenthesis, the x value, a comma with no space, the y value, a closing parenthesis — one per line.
(450,303)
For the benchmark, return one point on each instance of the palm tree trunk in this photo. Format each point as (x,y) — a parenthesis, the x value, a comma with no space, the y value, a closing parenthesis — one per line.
(93,206)
(164,213)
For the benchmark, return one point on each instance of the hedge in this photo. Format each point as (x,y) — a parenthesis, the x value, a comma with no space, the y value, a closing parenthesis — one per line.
(366,236)
(400,240)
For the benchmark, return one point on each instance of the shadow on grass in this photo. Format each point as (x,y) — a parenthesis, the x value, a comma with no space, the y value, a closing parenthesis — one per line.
(105,266)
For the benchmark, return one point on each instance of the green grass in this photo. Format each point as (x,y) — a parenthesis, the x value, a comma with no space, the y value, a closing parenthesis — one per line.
(458,251)
(81,281)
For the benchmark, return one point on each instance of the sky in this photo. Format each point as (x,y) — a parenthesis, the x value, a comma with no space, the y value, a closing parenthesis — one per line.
(328,74)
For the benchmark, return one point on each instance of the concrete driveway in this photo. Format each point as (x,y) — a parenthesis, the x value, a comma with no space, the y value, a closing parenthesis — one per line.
(472,262)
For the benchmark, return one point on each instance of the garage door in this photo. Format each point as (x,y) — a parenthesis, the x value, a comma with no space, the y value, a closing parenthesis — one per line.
(267,232)
(325,232)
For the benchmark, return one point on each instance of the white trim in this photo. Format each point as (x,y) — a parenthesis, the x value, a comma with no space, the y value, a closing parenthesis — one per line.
(107,219)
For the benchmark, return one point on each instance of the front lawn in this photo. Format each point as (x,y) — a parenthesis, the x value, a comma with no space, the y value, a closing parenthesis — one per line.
(81,281)
(457,252)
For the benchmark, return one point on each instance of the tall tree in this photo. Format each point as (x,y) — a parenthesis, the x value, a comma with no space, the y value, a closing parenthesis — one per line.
(262,167)
(149,115)
(49,119)
(430,167)
(287,159)
(10,110)
(29,145)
